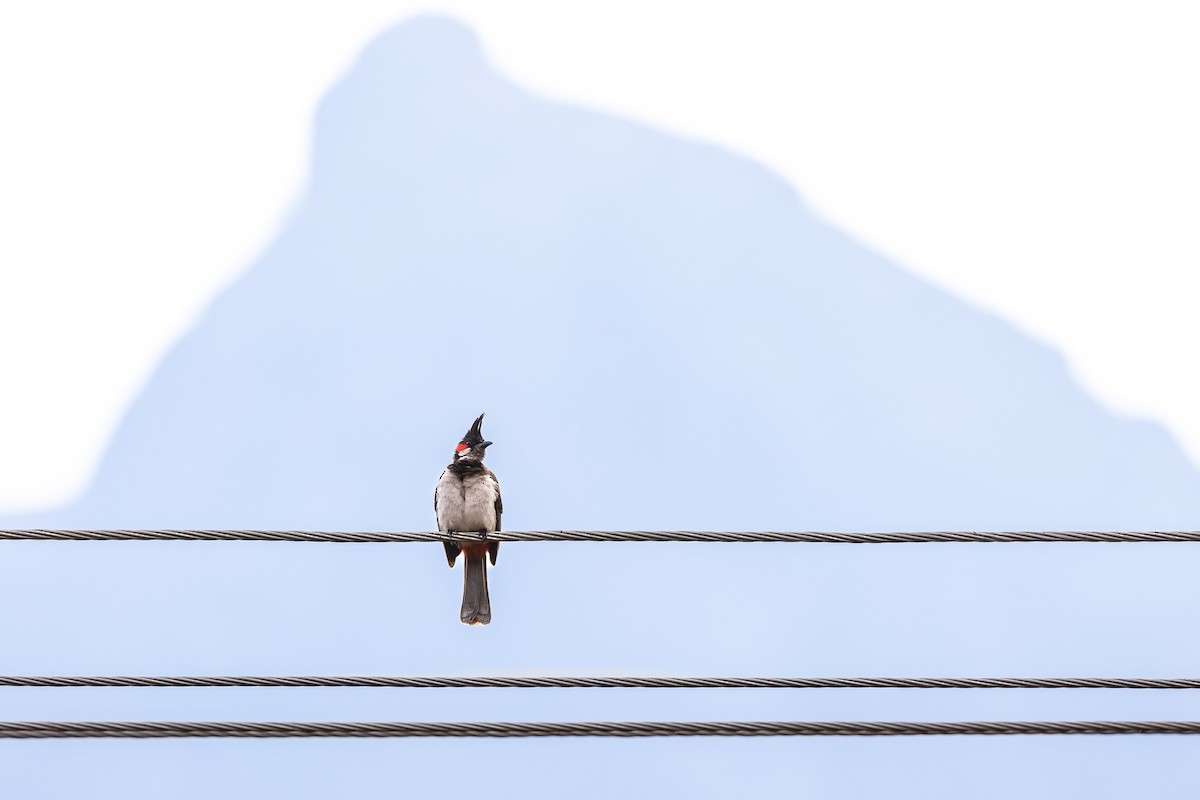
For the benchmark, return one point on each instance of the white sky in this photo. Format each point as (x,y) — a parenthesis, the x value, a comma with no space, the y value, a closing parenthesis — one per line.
(1037,158)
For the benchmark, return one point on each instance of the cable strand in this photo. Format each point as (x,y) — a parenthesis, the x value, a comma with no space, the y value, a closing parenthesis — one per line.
(273,730)
(812,537)
(566,682)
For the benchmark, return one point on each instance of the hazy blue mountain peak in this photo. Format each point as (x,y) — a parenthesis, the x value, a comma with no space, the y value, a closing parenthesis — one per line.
(665,311)
(662,335)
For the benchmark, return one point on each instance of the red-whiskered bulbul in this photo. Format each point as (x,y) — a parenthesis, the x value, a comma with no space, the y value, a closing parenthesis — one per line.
(467,499)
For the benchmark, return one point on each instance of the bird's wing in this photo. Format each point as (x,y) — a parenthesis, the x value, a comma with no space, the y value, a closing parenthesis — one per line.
(452,549)
(494,547)
(499,502)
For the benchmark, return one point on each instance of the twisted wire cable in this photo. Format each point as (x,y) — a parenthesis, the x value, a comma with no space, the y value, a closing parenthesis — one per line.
(827,537)
(434,682)
(275,730)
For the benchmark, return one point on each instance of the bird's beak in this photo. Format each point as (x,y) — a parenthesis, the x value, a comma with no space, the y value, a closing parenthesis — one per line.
(485,445)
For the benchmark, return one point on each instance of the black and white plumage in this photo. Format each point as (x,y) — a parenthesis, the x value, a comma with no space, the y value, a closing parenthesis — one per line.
(467,499)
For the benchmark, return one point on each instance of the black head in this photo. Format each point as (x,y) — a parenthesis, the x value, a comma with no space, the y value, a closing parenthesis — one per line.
(473,444)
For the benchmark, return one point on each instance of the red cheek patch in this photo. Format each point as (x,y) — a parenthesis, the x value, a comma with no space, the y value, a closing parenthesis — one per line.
(460,448)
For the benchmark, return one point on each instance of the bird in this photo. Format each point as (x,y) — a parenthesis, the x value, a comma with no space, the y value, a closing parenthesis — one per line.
(467,499)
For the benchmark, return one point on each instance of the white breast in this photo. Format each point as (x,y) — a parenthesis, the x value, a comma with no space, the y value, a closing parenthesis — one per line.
(466,504)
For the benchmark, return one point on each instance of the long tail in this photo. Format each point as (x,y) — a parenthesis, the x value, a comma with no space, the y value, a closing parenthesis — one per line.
(476,607)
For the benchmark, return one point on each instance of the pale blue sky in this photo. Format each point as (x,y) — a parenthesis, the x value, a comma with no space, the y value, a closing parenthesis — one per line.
(673,336)
(663,334)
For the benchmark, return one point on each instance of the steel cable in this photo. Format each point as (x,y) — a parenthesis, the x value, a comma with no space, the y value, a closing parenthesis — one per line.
(434,682)
(274,730)
(827,537)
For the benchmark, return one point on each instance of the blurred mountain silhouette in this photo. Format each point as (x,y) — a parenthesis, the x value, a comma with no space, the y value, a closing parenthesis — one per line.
(662,336)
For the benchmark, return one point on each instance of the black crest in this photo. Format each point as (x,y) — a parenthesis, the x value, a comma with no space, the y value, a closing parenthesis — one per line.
(474,437)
